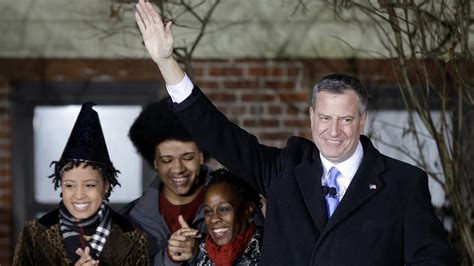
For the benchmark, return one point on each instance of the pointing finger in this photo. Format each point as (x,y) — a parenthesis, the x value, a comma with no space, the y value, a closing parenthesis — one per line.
(182,222)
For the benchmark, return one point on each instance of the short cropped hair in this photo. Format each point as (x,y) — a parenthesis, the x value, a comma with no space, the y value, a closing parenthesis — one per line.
(338,84)
(241,188)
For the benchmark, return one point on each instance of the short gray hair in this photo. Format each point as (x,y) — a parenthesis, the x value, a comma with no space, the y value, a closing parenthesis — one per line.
(338,84)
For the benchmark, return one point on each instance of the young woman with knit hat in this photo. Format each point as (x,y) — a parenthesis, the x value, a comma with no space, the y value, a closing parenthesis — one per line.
(83,230)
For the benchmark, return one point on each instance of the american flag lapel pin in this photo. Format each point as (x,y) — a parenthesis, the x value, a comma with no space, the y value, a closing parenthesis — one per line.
(373,187)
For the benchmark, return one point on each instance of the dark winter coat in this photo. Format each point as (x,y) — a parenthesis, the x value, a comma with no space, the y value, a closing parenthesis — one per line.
(385,217)
(41,243)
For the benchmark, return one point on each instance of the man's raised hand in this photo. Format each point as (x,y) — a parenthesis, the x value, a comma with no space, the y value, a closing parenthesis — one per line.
(158,37)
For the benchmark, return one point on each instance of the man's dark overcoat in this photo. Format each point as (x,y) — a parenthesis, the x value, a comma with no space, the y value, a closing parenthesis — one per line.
(385,217)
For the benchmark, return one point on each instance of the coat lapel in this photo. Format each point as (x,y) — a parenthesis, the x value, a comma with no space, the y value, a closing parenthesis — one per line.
(146,209)
(54,250)
(308,177)
(363,186)
(49,234)
(117,247)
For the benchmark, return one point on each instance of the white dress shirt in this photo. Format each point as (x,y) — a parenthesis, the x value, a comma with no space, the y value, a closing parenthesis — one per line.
(180,91)
(347,168)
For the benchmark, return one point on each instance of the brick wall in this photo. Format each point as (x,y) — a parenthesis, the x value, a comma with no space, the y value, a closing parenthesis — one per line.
(268,98)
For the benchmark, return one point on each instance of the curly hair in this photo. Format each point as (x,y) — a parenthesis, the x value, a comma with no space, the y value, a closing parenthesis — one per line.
(155,124)
(107,171)
(246,193)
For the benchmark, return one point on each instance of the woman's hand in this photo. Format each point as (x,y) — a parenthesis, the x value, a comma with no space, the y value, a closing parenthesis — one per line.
(85,258)
(182,243)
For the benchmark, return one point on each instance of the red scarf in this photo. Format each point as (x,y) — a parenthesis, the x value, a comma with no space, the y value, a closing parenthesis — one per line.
(226,255)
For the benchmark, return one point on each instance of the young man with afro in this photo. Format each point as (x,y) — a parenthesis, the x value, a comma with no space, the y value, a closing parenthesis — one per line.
(174,198)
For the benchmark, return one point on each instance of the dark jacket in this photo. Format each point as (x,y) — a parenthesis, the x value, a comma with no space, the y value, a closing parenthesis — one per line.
(145,213)
(385,217)
(41,243)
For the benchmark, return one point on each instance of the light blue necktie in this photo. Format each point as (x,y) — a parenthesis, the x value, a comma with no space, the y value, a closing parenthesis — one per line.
(332,198)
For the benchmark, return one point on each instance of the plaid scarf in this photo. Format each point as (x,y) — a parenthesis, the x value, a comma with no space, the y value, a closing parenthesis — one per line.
(73,230)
